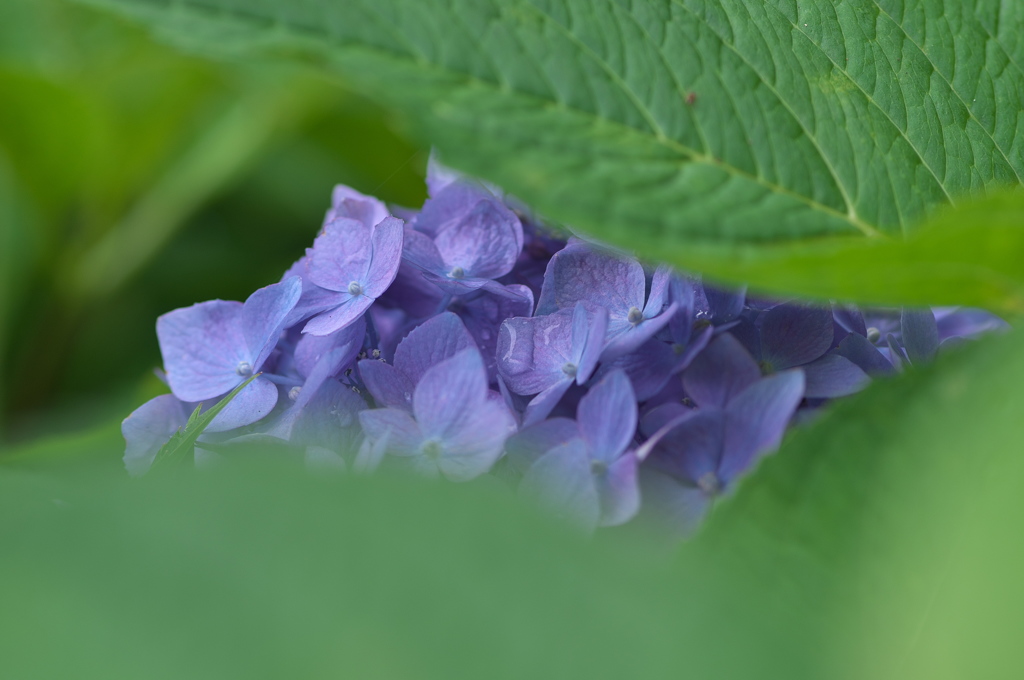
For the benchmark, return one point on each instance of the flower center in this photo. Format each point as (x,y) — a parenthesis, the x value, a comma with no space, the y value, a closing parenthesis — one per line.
(293,393)
(432,450)
(457,273)
(244,369)
(635,316)
(874,335)
(598,467)
(355,289)
(709,483)
(569,369)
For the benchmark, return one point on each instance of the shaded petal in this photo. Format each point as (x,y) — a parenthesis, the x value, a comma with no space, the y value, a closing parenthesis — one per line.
(896,352)
(430,343)
(484,243)
(449,205)
(588,334)
(685,354)
(793,335)
(530,443)
(860,351)
(607,417)
(833,375)
(724,305)
(661,415)
(541,405)
(562,482)
(330,419)
(658,298)
(387,385)
(579,273)
(253,403)
(348,310)
(419,250)
(484,313)
(347,202)
(474,447)
(757,419)
(371,453)
(920,334)
(683,292)
(649,368)
(720,372)
(385,257)
(311,348)
(618,491)
(202,347)
(340,255)
(675,507)
(322,405)
(850,319)
(264,315)
(449,393)
(532,351)
(968,323)
(403,436)
(439,176)
(690,448)
(313,300)
(149,427)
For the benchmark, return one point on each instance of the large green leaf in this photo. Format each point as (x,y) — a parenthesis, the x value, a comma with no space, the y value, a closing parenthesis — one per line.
(871,546)
(892,526)
(710,126)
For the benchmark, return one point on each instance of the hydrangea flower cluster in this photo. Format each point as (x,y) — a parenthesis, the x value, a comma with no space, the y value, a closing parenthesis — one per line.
(465,340)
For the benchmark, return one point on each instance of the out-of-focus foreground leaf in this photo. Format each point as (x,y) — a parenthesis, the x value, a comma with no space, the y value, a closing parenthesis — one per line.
(885,536)
(700,131)
(881,542)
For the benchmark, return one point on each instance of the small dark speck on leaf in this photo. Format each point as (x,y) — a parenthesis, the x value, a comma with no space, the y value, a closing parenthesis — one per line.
(691,98)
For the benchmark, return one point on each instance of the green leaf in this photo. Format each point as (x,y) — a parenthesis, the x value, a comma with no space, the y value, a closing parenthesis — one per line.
(716,127)
(881,542)
(891,525)
(182,443)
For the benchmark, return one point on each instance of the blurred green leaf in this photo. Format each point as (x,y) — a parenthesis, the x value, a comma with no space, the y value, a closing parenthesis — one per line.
(969,255)
(884,537)
(880,542)
(268,575)
(715,128)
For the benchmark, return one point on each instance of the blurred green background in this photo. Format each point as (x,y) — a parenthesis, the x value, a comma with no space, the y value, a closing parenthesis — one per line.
(134,180)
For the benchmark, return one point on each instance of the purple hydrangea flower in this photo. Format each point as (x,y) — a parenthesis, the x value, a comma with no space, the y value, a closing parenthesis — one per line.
(793,336)
(149,427)
(695,455)
(456,429)
(427,345)
(212,347)
(580,273)
(464,239)
(592,479)
(354,264)
(545,355)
